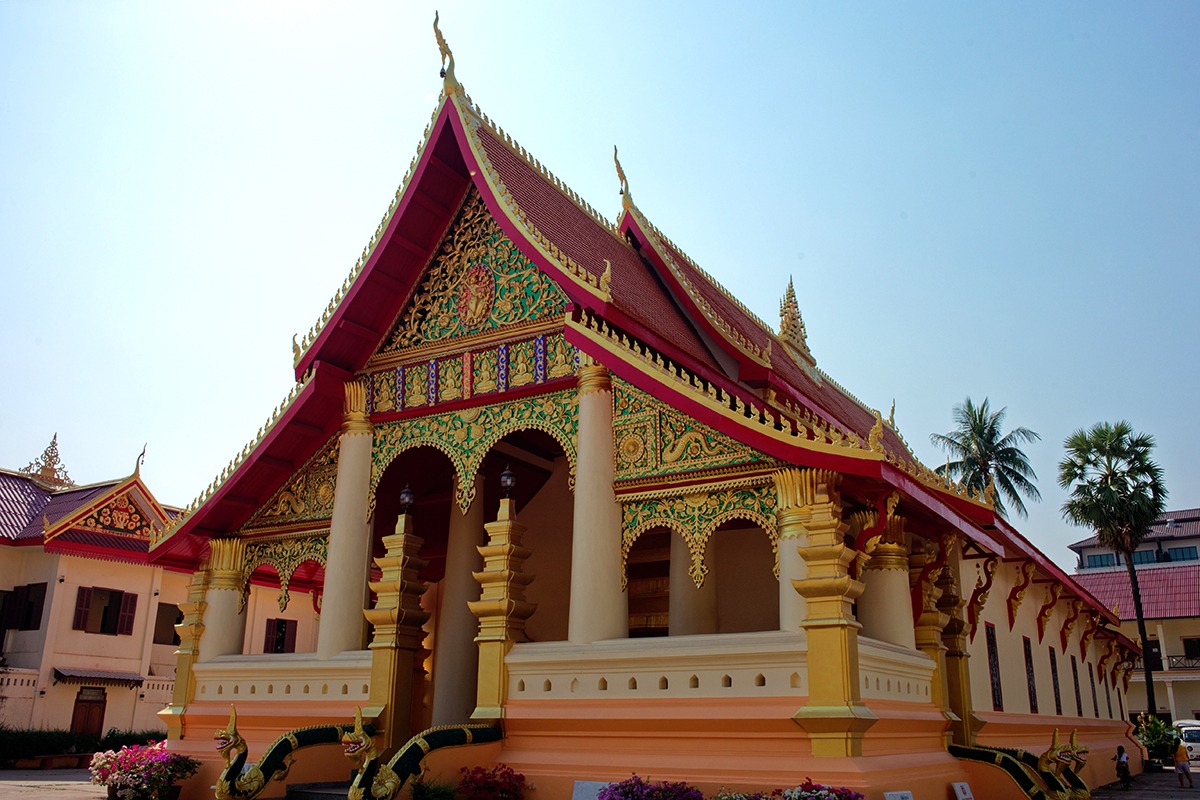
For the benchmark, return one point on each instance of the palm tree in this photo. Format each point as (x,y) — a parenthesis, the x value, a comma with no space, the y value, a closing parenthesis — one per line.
(1117,491)
(986,455)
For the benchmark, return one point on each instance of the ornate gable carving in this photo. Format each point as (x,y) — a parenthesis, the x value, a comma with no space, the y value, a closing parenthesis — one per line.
(478,282)
(651,439)
(119,515)
(307,495)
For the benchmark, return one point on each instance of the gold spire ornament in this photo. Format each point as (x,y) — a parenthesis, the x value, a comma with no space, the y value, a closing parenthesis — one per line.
(626,197)
(447,71)
(48,468)
(791,329)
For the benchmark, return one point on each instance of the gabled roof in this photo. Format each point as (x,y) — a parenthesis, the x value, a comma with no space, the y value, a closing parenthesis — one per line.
(637,303)
(1167,592)
(110,520)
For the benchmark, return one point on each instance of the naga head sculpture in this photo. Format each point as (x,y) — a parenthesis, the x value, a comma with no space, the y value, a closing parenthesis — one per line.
(358,746)
(229,742)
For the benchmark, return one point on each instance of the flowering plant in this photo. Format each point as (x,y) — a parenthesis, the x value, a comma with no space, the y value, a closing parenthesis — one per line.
(498,783)
(635,788)
(816,791)
(139,771)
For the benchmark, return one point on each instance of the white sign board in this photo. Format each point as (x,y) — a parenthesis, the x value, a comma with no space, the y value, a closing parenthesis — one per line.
(904,795)
(962,791)
(587,790)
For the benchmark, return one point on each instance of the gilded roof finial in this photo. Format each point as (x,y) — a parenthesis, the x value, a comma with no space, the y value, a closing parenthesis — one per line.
(791,326)
(137,465)
(626,197)
(48,468)
(447,71)
(892,414)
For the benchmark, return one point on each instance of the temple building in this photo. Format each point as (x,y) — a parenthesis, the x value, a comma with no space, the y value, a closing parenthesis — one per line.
(541,473)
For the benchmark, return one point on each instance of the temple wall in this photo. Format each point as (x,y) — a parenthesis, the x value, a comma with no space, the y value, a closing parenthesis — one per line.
(21,566)
(747,590)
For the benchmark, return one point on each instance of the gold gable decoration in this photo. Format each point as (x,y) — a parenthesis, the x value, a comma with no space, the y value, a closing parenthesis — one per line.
(308,495)
(652,439)
(478,282)
(285,556)
(119,515)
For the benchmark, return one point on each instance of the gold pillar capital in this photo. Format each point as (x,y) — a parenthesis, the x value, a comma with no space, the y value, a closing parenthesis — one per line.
(593,377)
(800,488)
(354,408)
(226,558)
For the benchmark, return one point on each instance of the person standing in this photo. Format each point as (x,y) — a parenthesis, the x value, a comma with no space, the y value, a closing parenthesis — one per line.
(1122,759)
(1183,764)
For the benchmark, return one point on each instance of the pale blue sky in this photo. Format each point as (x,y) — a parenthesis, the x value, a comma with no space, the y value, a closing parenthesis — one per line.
(986,199)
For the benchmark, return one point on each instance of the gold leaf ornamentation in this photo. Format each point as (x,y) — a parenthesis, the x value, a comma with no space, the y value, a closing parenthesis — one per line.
(653,439)
(479,281)
(285,555)
(466,436)
(307,495)
(695,515)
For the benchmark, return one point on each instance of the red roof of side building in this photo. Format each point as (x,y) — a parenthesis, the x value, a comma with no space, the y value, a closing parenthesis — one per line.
(1184,524)
(22,500)
(1167,592)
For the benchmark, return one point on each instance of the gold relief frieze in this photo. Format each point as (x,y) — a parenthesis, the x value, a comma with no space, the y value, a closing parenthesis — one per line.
(119,515)
(285,555)
(479,281)
(416,379)
(650,439)
(307,495)
(695,513)
(465,436)
(521,364)
(450,379)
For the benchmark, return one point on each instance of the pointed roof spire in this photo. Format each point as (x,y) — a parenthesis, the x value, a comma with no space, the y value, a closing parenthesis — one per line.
(626,197)
(791,324)
(447,71)
(48,468)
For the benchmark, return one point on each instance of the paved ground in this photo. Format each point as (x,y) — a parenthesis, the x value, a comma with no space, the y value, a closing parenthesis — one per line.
(72,784)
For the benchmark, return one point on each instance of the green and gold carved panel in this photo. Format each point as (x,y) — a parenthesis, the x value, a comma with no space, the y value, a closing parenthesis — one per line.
(479,281)
(307,495)
(285,556)
(466,436)
(651,439)
(697,513)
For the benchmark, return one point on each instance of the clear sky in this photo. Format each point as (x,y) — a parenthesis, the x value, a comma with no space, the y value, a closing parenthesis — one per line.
(989,199)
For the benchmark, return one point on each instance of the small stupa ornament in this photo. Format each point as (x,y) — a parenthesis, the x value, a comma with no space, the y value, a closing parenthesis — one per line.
(447,71)
(791,328)
(48,468)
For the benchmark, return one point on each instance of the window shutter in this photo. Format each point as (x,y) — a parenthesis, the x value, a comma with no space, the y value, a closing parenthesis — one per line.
(269,641)
(83,607)
(128,610)
(14,608)
(289,640)
(37,599)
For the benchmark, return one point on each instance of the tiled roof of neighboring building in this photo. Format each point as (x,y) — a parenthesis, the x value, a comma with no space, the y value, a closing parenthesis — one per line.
(1167,592)
(1184,524)
(22,500)
(63,504)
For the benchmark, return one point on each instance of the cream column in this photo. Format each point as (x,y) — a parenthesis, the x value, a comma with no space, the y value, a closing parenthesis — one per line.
(347,564)
(692,609)
(885,607)
(792,567)
(224,621)
(599,606)
(456,657)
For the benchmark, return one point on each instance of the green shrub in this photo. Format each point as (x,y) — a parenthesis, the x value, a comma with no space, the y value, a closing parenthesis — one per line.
(1157,737)
(16,743)
(432,790)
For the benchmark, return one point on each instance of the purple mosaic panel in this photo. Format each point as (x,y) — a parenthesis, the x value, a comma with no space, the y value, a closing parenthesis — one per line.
(539,359)
(502,368)
(431,383)
(399,388)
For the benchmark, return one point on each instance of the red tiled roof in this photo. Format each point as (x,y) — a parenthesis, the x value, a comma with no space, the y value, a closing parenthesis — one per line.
(21,501)
(1167,592)
(63,504)
(1184,524)
(636,290)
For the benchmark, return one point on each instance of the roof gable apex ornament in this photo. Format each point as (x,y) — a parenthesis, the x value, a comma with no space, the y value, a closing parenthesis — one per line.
(48,467)
(450,83)
(626,197)
(792,331)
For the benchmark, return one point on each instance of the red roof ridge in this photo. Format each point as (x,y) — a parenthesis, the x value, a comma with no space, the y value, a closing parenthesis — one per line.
(172,527)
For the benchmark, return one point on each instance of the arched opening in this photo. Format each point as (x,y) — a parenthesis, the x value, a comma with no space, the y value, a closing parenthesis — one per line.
(746,587)
(293,629)
(648,571)
(545,506)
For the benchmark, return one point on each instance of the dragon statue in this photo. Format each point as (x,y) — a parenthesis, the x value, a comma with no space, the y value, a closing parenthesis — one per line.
(239,781)
(1056,757)
(373,779)
(383,781)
